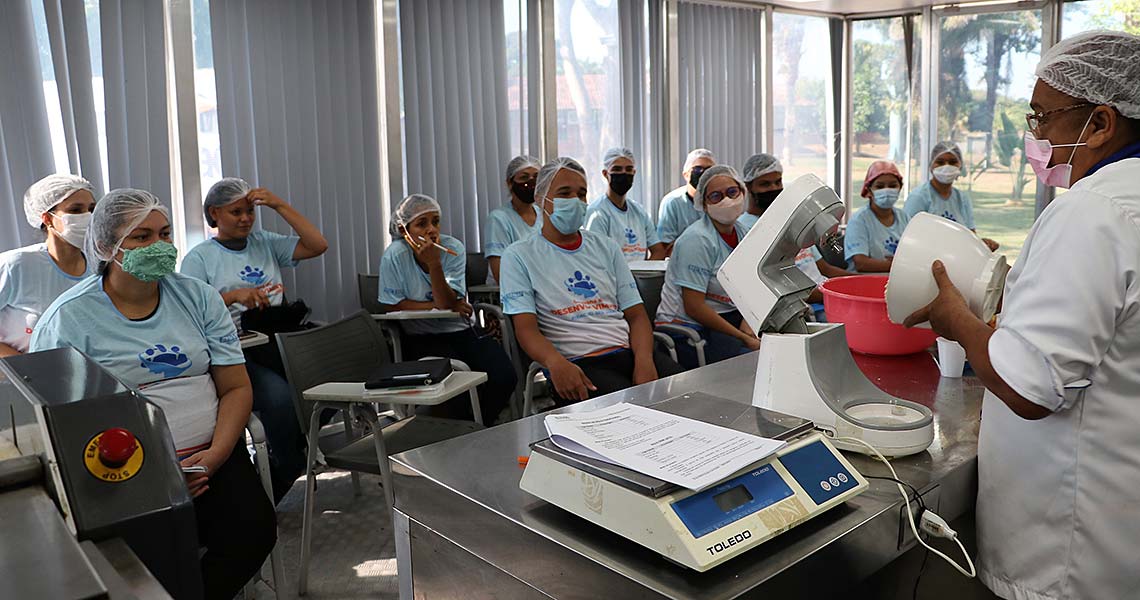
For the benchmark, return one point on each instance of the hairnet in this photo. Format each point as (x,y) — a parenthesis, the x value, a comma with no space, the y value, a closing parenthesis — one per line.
(697,154)
(1098,66)
(877,168)
(519,163)
(712,173)
(548,171)
(942,148)
(761,164)
(119,212)
(49,191)
(409,209)
(226,191)
(613,154)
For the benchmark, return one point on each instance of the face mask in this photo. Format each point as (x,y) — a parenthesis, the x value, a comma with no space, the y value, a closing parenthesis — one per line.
(695,176)
(727,211)
(150,263)
(74,228)
(946,174)
(763,200)
(1038,152)
(568,215)
(523,191)
(886,197)
(621,182)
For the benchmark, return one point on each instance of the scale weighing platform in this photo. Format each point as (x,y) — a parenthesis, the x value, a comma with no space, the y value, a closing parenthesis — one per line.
(701,530)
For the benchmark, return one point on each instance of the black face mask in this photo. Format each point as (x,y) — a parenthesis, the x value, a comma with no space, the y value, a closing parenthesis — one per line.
(621,182)
(695,176)
(765,199)
(523,191)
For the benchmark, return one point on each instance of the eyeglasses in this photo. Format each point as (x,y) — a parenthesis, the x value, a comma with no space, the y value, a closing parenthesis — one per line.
(1036,119)
(715,197)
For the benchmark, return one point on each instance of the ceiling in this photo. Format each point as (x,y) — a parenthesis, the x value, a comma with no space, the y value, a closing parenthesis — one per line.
(858,7)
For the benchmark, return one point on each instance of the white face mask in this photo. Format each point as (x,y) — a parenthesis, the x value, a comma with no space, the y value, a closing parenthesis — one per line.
(727,211)
(946,174)
(74,228)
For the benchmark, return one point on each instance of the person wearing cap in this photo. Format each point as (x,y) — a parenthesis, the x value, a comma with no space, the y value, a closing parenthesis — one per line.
(415,274)
(1058,511)
(692,295)
(170,336)
(518,220)
(33,276)
(572,298)
(939,196)
(873,233)
(677,212)
(614,216)
(245,267)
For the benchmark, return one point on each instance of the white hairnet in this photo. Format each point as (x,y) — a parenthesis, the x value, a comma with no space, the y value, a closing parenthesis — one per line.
(44,194)
(712,173)
(1098,66)
(697,154)
(409,209)
(942,148)
(613,154)
(226,191)
(115,216)
(548,171)
(519,163)
(760,164)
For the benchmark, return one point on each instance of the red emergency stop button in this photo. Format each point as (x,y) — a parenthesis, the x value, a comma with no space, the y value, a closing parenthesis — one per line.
(116,446)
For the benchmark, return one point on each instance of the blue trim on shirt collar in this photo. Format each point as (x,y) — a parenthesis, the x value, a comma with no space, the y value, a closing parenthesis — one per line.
(1130,151)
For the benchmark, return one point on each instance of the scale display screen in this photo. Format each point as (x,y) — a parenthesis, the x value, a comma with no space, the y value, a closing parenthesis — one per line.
(724,504)
(732,499)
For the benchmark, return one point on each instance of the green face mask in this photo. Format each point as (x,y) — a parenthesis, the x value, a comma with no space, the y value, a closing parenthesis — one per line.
(150,263)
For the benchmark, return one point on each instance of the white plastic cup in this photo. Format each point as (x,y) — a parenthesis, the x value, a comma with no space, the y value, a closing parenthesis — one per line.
(951,358)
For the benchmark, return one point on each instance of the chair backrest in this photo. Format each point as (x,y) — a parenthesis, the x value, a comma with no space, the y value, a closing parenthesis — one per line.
(476,269)
(368,287)
(649,286)
(348,350)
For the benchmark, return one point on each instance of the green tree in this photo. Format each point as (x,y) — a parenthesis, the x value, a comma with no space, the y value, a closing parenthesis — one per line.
(870,98)
(1118,14)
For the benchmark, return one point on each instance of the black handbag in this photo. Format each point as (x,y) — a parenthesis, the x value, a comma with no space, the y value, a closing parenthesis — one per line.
(286,318)
(410,373)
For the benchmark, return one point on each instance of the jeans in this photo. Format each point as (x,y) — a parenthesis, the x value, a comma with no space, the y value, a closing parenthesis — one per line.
(273,404)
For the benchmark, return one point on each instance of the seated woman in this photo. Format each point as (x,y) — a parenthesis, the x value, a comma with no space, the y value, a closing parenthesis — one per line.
(245,267)
(32,277)
(518,220)
(573,300)
(676,211)
(416,275)
(692,295)
(939,196)
(617,216)
(170,336)
(873,233)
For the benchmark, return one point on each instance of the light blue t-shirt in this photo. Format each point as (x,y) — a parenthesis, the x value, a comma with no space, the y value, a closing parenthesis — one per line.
(958,207)
(748,221)
(630,229)
(676,214)
(401,278)
(258,265)
(697,256)
(867,235)
(577,295)
(505,227)
(29,282)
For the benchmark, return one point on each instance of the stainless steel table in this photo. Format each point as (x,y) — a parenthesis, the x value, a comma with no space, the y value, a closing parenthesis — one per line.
(465,529)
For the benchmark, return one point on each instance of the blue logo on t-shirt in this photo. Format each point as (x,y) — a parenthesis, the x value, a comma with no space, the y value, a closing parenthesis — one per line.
(630,236)
(581,285)
(891,245)
(166,362)
(253,275)
(949,215)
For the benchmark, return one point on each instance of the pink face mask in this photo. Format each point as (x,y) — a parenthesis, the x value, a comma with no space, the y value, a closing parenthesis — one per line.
(1039,152)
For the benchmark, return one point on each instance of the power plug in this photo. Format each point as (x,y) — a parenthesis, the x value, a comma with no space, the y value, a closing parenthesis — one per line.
(936,526)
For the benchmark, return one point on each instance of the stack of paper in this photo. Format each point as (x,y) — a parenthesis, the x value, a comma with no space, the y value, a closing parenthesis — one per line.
(689,453)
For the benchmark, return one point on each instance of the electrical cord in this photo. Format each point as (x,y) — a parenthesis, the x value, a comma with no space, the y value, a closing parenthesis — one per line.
(914,490)
(931,522)
(922,508)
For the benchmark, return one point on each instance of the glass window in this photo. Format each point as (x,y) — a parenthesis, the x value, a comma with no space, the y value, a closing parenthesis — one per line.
(1086,15)
(515,18)
(886,101)
(206,97)
(801,70)
(589,83)
(985,80)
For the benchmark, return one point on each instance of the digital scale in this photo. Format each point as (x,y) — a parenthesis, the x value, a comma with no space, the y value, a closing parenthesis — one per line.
(701,530)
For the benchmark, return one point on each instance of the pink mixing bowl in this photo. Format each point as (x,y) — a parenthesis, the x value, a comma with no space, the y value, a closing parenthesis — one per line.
(859,302)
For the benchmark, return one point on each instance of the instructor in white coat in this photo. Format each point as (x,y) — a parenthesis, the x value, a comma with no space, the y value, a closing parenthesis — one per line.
(1059,449)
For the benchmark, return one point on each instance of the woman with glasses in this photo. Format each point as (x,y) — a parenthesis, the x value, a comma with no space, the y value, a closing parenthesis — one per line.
(692,295)
(939,196)
(873,233)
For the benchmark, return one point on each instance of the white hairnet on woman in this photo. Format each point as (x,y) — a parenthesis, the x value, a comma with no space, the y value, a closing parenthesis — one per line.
(548,171)
(615,153)
(759,165)
(1098,66)
(119,212)
(226,191)
(695,155)
(711,174)
(48,192)
(519,163)
(409,209)
(943,147)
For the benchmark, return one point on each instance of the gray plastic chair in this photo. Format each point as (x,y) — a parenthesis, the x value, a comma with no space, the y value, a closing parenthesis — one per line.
(649,286)
(368,289)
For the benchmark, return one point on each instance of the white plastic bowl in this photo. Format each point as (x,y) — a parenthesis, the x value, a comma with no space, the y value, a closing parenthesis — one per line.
(977,273)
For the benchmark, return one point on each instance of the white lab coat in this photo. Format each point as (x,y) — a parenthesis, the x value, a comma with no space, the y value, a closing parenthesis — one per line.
(1059,498)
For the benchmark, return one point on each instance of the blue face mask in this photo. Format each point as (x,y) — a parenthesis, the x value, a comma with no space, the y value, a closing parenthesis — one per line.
(886,197)
(568,214)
